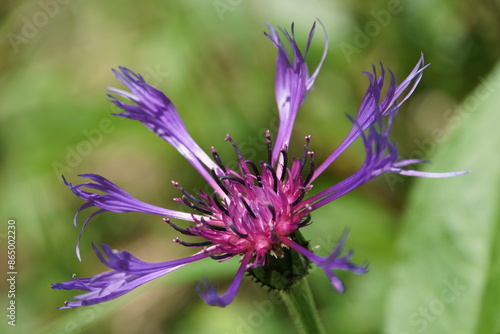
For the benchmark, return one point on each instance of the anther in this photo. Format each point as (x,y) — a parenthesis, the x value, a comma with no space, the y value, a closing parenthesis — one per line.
(269,144)
(219,204)
(271,209)
(311,168)
(285,163)
(232,178)
(195,207)
(275,178)
(177,228)
(185,193)
(306,221)
(304,155)
(220,257)
(249,209)
(193,244)
(217,159)
(236,148)
(300,197)
(255,172)
(233,228)
(218,181)
(211,226)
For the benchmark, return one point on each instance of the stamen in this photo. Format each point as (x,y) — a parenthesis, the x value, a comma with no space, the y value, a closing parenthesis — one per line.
(219,257)
(236,148)
(269,144)
(191,197)
(218,181)
(193,206)
(300,197)
(193,244)
(233,228)
(306,221)
(177,228)
(213,227)
(217,159)
(275,178)
(255,172)
(240,196)
(219,204)
(285,163)
(311,168)
(233,178)
(271,209)
(304,155)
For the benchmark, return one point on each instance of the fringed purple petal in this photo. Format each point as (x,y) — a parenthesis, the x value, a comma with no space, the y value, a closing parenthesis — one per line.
(155,110)
(330,263)
(415,76)
(116,199)
(409,162)
(128,273)
(210,294)
(292,82)
(396,168)
(311,79)
(408,172)
(373,106)
(113,199)
(381,157)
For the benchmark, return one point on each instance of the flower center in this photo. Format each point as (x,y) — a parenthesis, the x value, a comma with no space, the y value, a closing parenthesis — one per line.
(260,204)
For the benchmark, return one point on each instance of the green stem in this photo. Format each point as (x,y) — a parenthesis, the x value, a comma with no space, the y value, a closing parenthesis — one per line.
(302,309)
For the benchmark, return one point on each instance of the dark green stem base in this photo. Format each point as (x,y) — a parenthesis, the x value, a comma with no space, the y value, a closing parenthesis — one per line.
(302,309)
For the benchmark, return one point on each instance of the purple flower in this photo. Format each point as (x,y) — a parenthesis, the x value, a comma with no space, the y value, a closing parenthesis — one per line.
(257,210)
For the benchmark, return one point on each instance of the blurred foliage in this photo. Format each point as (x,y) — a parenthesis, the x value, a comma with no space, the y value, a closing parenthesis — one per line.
(450,255)
(212,60)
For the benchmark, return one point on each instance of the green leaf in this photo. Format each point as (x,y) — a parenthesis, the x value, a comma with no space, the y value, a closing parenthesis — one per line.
(447,277)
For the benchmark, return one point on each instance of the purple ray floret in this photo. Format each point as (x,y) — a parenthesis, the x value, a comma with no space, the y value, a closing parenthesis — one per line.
(128,273)
(258,208)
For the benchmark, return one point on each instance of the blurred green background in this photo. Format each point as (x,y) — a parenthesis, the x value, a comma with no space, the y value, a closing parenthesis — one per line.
(432,245)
